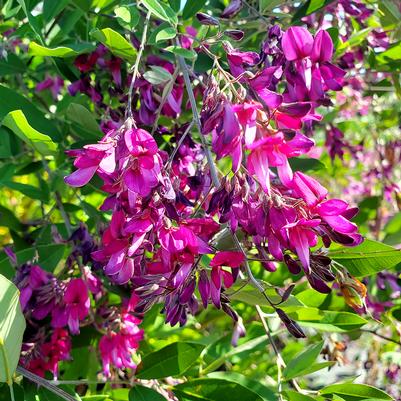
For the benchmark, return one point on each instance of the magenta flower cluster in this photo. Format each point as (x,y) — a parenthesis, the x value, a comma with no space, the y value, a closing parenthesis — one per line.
(165,212)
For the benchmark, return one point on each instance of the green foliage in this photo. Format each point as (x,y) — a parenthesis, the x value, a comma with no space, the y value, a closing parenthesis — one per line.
(172,360)
(12,326)
(368,258)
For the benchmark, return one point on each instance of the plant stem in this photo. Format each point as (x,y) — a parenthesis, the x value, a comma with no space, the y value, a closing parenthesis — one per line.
(174,152)
(59,202)
(11,392)
(280,361)
(45,383)
(136,65)
(191,96)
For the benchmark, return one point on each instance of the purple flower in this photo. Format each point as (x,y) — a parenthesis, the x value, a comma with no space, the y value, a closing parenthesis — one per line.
(75,306)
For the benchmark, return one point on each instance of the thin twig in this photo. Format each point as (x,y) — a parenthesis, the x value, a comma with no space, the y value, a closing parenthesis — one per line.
(59,202)
(174,152)
(381,336)
(280,361)
(191,96)
(165,95)
(44,383)
(136,65)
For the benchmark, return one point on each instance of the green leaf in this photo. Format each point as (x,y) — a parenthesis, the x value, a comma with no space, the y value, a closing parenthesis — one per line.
(10,100)
(179,51)
(117,44)
(255,386)
(12,64)
(216,389)
(52,8)
(158,75)
(17,122)
(304,165)
(127,17)
(192,7)
(361,391)
(8,219)
(34,22)
(309,7)
(391,56)
(172,360)
(83,117)
(165,34)
(72,50)
(368,258)
(296,396)
(49,255)
(250,295)
(325,320)
(12,326)
(28,190)
(141,393)
(302,361)
(161,10)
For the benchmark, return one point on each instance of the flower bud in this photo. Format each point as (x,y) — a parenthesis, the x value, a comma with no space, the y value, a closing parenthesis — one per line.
(292,326)
(353,291)
(233,8)
(206,19)
(234,34)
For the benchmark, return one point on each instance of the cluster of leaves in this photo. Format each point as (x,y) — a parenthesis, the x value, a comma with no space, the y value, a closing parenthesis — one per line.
(38,212)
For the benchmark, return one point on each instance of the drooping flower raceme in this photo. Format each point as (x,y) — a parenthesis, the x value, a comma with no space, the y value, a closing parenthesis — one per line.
(165,213)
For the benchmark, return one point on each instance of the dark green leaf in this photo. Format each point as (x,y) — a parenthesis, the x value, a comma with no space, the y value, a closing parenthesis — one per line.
(33,21)
(264,392)
(10,100)
(217,389)
(302,361)
(52,8)
(296,396)
(84,118)
(192,7)
(309,7)
(12,64)
(8,219)
(172,360)
(300,164)
(141,393)
(28,190)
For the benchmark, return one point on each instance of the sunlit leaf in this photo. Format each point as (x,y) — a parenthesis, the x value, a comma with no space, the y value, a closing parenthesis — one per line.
(12,326)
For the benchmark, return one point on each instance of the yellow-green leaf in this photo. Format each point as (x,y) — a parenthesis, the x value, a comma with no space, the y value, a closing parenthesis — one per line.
(17,122)
(60,51)
(117,44)
(12,326)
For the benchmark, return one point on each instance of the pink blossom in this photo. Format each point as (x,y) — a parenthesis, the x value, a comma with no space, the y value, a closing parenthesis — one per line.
(75,306)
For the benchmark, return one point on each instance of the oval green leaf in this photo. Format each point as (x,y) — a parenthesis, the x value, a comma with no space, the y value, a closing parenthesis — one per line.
(17,122)
(12,326)
(61,51)
(172,360)
(368,258)
(361,391)
(141,393)
(117,44)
